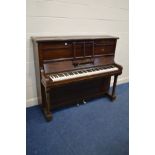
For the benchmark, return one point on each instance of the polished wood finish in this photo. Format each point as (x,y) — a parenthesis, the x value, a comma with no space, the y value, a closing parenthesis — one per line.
(62,54)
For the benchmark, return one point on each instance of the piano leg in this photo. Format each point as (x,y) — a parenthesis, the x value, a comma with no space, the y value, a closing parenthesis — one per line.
(47,112)
(112,96)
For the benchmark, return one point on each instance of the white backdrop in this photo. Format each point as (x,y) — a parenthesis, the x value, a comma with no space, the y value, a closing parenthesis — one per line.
(76,17)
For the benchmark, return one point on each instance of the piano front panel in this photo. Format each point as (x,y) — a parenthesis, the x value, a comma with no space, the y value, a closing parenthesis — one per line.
(79,91)
(104,47)
(55,50)
(101,49)
(55,44)
(79,48)
(49,54)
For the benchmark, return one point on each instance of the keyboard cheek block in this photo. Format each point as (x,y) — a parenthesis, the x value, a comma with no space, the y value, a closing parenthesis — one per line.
(71,70)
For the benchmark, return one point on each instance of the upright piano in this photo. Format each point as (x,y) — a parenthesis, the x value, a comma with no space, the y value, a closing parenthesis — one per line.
(72,69)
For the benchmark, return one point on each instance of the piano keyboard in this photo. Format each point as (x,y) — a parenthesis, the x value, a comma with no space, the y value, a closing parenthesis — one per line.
(82,73)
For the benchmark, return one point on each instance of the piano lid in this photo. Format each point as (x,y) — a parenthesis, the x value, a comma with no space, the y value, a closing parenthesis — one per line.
(78,37)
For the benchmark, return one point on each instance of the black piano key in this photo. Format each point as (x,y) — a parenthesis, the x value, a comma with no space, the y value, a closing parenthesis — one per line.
(55,76)
(97,69)
(52,76)
(60,75)
(105,67)
(76,73)
(100,68)
(66,74)
(79,72)
(109,67)
(70,73)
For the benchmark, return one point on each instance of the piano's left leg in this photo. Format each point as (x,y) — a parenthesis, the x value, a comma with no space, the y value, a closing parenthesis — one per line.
(47,112)
(112,96)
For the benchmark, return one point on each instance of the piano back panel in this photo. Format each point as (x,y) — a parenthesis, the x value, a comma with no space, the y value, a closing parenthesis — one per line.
(78,91)
(61,51)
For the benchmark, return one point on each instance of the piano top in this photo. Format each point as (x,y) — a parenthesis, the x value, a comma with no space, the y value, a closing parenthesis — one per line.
(61,38)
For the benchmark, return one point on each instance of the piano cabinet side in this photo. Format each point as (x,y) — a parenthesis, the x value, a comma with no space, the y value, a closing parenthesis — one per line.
(40,87)
(43,93)
(37,71)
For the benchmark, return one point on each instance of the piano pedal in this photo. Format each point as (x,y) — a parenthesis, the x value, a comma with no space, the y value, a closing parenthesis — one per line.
(77,104)
(84,102)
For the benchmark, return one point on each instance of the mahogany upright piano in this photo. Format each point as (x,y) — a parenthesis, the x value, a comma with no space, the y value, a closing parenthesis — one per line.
(74,68)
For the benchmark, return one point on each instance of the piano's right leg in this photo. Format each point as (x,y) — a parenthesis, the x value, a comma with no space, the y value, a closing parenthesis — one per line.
(47,108)
(112,96)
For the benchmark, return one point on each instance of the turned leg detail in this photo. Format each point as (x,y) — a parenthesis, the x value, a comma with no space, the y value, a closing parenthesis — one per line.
(112,96)
(47,112)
